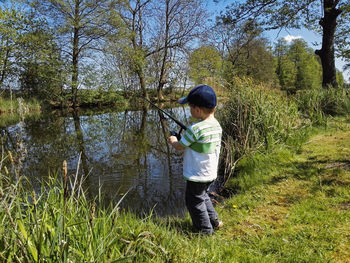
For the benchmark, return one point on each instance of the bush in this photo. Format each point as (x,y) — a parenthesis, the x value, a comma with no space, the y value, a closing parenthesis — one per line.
(254,117)
(99,98)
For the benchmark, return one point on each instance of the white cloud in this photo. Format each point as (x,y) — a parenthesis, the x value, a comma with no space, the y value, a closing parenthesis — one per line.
(290,38)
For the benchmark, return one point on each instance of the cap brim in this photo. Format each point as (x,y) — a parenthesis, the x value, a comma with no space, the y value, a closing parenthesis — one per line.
(183,100)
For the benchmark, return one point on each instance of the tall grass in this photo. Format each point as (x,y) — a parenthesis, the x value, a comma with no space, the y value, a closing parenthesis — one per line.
(60,224)
(315,104)
(8,105)
(254,118)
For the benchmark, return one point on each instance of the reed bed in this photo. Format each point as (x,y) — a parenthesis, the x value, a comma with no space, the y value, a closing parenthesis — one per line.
(316,104)
(254,118)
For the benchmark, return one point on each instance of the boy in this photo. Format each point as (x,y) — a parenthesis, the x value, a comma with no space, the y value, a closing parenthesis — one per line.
(201,142)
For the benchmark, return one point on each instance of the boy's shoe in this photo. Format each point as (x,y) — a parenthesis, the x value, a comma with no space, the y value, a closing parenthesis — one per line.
(219,226)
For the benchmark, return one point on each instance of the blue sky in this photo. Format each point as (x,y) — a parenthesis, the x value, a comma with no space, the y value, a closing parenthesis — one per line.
(310,37)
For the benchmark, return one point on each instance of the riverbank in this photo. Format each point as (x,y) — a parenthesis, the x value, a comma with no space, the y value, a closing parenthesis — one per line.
(299,212)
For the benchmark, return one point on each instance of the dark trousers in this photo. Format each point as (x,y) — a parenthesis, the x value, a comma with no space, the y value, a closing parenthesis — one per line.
(200,207)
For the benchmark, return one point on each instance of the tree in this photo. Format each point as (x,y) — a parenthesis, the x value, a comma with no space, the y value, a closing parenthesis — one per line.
(178,22)
(277,14)
(285,70)
(204,62)
(11,25)
(297,66)
(28,53)
(157,31)
(308,70)
(41,66)
(133,15)
(81,24)
(245,51)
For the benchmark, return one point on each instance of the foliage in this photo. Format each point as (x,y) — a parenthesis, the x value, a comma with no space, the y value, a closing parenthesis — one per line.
(42,67)
(80,26)
(256,62)
(297,14)
(297,66)
(340,79)
(99,98)
(204,62)
(12,24)
(245,51)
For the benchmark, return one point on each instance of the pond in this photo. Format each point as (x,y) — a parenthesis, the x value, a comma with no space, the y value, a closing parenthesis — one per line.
(121,154)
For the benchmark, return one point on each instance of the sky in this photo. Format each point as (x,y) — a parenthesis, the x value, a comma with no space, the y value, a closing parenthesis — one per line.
(313,39)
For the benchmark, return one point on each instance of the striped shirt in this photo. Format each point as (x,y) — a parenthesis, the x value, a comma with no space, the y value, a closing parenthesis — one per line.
(202,142)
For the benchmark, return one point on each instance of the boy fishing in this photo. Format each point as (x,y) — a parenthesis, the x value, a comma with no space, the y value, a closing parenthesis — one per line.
(201,144)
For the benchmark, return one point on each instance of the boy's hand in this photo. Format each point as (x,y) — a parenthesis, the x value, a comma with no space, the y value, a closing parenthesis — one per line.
(175,143)
(172,139)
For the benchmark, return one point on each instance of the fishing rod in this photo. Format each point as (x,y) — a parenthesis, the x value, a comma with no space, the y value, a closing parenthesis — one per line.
(174,133)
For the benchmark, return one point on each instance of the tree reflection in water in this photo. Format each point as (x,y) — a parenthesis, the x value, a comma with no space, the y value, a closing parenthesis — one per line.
(121,152)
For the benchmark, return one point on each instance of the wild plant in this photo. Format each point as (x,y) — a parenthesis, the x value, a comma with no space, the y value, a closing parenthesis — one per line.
(316,104)
(254,118)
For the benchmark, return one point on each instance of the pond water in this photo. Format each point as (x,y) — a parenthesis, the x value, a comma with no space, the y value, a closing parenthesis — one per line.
(122,154)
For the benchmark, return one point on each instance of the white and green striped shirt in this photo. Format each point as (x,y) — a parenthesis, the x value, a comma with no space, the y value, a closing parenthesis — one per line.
(202,141)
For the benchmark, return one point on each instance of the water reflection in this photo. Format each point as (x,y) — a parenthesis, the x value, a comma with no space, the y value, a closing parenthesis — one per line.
(121,152)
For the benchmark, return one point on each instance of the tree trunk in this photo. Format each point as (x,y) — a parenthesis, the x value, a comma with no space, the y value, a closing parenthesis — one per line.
(163,70)
(137,30)
(326,53)
(4,66)
(162,77)
(142,83)
(75,56)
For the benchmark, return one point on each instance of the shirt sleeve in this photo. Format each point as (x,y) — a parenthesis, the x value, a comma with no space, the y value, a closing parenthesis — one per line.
(188,138)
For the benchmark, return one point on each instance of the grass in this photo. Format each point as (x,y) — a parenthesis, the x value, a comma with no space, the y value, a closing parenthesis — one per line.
(15,105)
(298,212)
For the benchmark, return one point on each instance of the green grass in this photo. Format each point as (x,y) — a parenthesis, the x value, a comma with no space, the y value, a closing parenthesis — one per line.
(15,105)
(299,211)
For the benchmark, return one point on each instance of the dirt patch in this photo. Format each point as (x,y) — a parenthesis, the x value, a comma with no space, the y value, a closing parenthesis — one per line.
(344,206)
(340,165)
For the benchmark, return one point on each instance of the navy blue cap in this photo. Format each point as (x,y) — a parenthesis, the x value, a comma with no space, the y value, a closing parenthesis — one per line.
(202,96)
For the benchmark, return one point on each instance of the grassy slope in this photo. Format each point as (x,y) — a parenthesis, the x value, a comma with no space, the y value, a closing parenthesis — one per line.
(301,215)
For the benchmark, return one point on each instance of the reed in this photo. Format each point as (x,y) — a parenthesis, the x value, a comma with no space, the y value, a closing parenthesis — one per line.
(254,118)
(316,104)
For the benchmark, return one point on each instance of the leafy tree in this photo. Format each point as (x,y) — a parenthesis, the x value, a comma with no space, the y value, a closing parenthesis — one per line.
(28,52)
(81,25)
(245,51)
(42,69)
(308,70)
(297,66)
(334,19)
(286,71)
(131,45)
(204,62)
(340,79)
(11,24)
(259,62)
